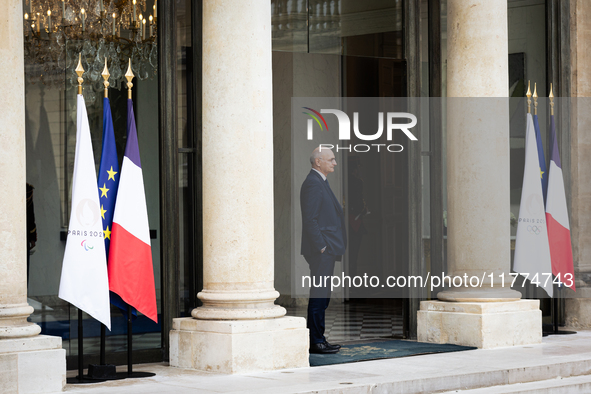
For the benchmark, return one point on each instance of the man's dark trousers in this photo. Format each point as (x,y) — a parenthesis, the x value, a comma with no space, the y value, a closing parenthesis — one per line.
(321,265)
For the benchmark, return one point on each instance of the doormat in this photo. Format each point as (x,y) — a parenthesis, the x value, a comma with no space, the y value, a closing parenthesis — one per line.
(380,350)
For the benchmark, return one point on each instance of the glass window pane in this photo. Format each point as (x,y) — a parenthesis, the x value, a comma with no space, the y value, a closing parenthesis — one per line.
(50,104)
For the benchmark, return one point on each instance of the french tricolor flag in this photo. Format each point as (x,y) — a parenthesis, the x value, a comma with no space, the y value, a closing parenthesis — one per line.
(557,217)
(131,274)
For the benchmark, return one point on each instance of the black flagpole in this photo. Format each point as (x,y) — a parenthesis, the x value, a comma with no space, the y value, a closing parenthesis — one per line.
(103,339)
(555,319)
(130,373)
(129,342)
(80,346)
(80,379)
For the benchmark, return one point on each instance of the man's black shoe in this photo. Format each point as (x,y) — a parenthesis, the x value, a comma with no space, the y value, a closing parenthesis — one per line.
(332,346)
(322,348)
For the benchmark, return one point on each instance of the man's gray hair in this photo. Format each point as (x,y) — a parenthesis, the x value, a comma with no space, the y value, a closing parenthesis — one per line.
(315,155)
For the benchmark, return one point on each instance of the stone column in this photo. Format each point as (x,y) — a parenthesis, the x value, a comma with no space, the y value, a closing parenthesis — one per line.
(14,309)
(489,315)
(238,328)
(28,362)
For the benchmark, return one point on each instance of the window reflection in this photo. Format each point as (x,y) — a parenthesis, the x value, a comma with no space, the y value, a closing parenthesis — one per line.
(349,27)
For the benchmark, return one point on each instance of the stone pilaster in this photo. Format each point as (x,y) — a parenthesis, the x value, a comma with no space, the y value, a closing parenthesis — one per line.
(238,204)
(29,363)
(478,187)
(578,310)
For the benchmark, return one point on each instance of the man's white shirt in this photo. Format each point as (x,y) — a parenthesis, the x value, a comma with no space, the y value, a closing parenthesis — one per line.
(321,174)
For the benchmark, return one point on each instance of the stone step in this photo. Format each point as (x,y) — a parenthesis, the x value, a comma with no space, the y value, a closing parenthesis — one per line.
(571,385)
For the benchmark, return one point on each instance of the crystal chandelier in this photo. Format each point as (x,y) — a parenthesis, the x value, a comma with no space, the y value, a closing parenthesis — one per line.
(56,31)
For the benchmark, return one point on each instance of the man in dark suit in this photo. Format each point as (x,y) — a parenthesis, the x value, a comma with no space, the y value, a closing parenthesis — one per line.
(324,239)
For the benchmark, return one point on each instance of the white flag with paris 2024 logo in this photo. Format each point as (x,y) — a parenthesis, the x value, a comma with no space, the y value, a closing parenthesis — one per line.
(532,250)
(84,282)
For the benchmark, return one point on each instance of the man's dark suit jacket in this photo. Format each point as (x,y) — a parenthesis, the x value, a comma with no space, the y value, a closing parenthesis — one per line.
(323,219)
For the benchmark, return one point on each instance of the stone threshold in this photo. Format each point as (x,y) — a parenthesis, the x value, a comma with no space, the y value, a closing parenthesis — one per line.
(557,357)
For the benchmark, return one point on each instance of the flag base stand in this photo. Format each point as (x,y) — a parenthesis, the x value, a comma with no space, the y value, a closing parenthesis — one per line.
(549,329)
(81,378)
(554,306)
(130,372)
(84,380)
(562,332)
(134,374)
(103,371)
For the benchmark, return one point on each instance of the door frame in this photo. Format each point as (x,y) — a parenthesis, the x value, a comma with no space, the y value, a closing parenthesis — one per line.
(411,17)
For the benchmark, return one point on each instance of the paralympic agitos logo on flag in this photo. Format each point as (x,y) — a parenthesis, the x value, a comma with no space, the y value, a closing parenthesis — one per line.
(392,120)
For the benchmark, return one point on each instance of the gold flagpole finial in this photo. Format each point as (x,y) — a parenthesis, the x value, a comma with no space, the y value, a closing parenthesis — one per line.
(80,71)
(129,76)
(535,96)
(106,76)
(528,94)
(551,101)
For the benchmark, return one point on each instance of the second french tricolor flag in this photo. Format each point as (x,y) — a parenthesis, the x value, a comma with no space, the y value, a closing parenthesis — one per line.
(131,274)
(557,218)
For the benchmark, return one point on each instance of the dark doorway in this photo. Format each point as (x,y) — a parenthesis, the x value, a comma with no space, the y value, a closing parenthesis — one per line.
(377,188)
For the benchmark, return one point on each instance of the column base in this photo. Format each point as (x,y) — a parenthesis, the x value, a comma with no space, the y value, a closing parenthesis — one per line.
(485,325)
(239,346)
(14,324)
(32,365)
(578,310)
(238,305)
